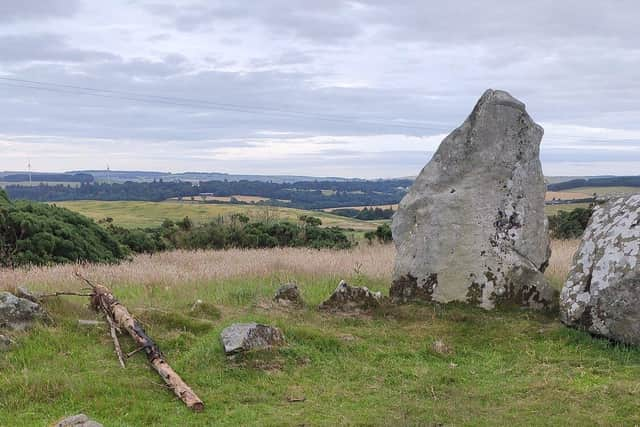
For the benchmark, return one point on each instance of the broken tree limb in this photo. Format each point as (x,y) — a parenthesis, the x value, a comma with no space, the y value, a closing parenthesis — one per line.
(102,299)
(116,342)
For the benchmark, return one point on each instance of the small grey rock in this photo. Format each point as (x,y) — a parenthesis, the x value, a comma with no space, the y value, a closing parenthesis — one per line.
(348,298)
(80,420)
(22,292)
(602,292)
(5,343)
(241,337)
(18,313)
(288,295)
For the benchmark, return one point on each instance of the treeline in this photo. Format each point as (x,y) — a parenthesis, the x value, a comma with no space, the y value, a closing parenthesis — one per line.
(48,177)
(614,181)
(304,195)
(140,191)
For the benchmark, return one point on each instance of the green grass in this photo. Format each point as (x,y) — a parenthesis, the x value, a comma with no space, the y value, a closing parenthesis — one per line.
(505,368)
(554,209)
(149,214)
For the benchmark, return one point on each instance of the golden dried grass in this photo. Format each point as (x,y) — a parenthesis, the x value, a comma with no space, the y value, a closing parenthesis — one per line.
(562,252)
(183,268)
(180,268)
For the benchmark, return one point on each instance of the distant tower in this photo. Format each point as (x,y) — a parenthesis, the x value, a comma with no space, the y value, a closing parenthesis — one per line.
(29,169)
(108,175)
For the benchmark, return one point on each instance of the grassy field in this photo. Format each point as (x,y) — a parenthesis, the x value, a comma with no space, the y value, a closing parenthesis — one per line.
(601,191)
(566,195)
(554,209)
(497,368)
(148,214)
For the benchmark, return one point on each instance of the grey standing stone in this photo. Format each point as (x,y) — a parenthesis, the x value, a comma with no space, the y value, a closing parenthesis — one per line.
(602,292)
(241,337)
(80,420)
(288,295)
(348,298)
(472,227)
(18,313)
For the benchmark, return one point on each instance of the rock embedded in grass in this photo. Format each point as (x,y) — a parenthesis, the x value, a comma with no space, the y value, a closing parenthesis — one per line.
(243,337)
(18,313)
(472,227)
(348,298)
(602,292)
(5,343)
(80,420)
(289,295)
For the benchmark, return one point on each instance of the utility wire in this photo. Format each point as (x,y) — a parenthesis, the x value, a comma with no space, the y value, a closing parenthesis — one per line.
(195,103)
(210,105)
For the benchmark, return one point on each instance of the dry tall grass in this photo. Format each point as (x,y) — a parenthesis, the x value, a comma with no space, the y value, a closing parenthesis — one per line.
(180,268)
(561,256)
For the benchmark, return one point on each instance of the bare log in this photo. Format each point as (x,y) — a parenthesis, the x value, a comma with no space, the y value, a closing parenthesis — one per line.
(102,299)
(116,342)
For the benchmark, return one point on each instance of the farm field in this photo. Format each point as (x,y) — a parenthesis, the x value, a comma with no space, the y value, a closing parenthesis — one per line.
(604,190)
(566,195)
(508,367)
(554,209)
(149,214)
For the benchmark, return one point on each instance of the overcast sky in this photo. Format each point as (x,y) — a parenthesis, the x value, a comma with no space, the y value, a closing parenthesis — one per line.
(340,88)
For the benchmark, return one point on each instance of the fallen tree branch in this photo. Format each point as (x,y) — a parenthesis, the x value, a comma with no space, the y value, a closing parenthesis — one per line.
(57,294)
(114,336)
(102,299)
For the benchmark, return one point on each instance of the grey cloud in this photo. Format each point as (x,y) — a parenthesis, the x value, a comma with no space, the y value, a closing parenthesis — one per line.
(327,21)
(45,47)
(36,9)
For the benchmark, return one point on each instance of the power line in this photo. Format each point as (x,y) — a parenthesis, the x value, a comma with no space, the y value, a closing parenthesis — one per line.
(197,103)
(210,105)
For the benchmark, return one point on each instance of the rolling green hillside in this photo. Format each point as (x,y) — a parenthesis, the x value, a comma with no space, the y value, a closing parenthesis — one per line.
(149,214)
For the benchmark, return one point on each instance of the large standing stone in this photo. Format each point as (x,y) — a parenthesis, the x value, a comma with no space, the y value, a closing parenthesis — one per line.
(472,227)
(18,313)
(241,337)
(602,292)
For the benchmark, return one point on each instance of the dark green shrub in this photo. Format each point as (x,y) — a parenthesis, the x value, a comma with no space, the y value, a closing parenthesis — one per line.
(37,234)
(569,224)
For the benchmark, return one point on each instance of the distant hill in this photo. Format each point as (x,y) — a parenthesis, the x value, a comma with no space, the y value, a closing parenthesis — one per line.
(612,181)
(558,179)
(11,177)
(148,176)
